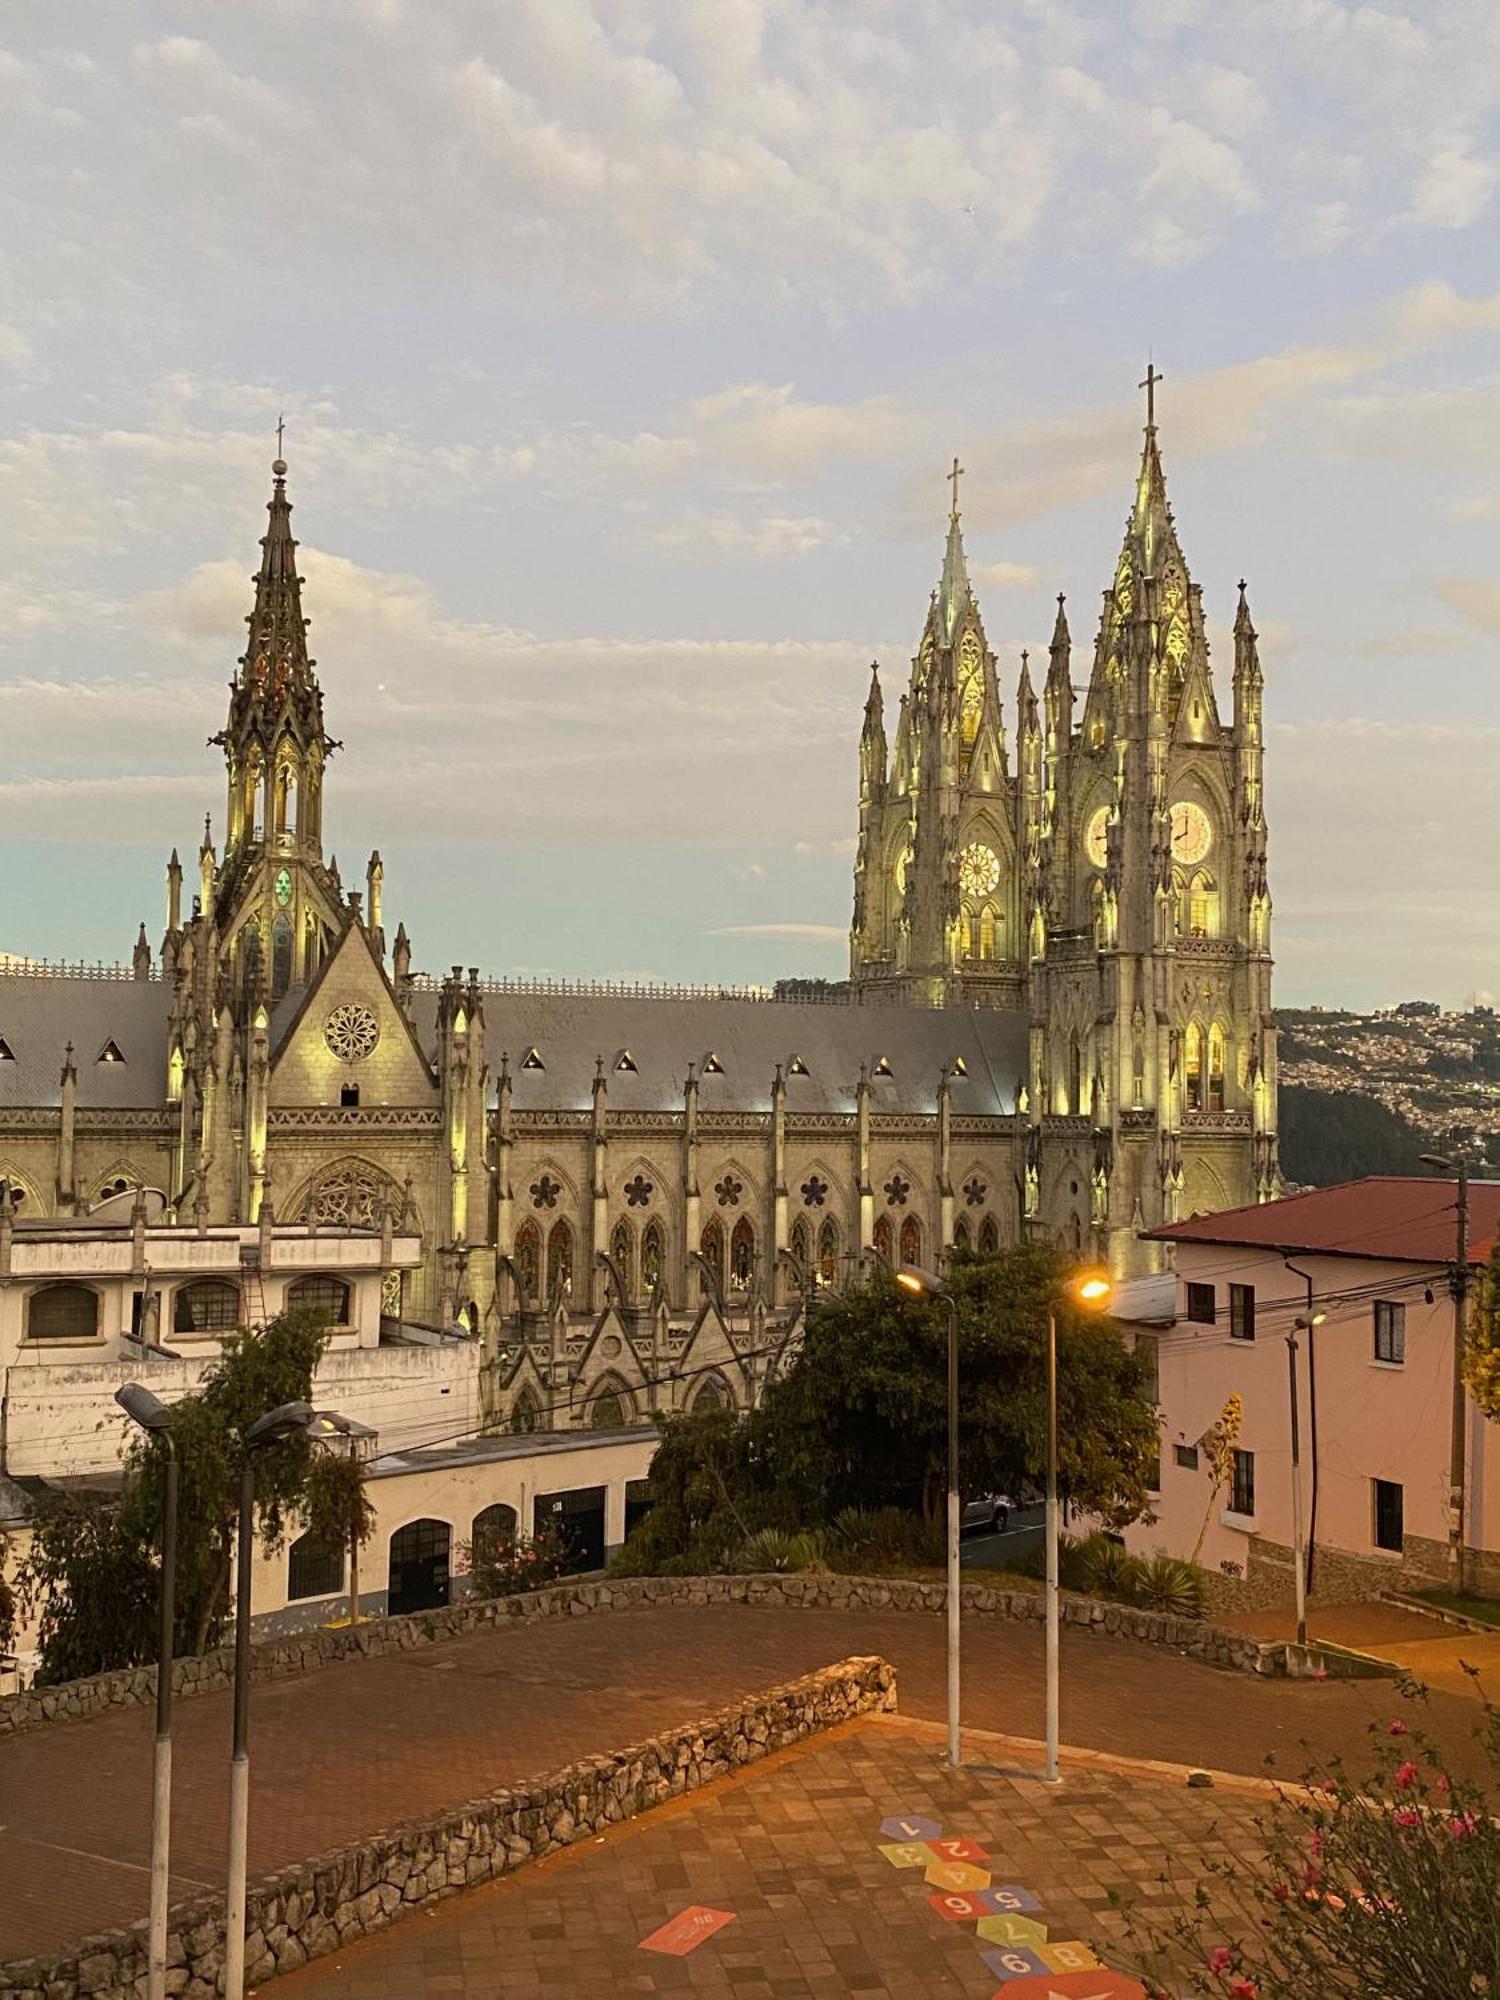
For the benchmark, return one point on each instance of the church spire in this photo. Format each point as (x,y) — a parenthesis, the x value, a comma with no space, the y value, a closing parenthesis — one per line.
(275,661)
(954,590)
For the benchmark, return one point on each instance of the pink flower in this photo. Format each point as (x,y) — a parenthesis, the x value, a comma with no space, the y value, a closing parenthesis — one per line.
(1243,1989)
(1315,1841)
(1406,1775)
(1331,1785)
(1440,1782)
(1220,1960)
(1462,1825)
(1398,1727)
(1281,1891)
(1321,1674)
(1406,1817)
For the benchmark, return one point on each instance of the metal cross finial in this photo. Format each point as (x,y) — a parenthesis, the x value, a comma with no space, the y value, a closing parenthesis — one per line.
(955,475)
(280,430)
(1153,376)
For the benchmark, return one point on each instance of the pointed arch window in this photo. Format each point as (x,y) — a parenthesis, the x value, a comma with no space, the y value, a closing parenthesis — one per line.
(989,931)
(1216,1068)
(989,1237)
(653,1257)
(1192,1051)
(711,1248)
(281,956)
(526,1412)
(828,1252)
(961,1237)
(884,1238)
(801,1244)
(742,1253)
(1203,905)
(559,1260)
(1075,1076)
(622,1250)
(527,1258)
(911,1240)
(710,1394)
(611,1406)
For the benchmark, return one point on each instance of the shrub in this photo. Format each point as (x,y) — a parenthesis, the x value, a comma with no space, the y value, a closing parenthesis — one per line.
(1108,1569)
(1072,1566)
(502,1565)
(774,1549)
(1166,1583)
(1382,1884)
(875,1538)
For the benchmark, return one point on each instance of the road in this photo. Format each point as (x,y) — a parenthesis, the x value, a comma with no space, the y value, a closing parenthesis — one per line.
(987,1551)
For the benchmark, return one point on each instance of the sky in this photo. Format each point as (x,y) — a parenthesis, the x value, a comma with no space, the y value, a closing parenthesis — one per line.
(623,347)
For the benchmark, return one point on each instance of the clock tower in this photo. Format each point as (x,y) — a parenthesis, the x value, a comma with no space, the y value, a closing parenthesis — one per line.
(275,905)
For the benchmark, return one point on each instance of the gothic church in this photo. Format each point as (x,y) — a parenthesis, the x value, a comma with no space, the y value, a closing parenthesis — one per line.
(1057,1023)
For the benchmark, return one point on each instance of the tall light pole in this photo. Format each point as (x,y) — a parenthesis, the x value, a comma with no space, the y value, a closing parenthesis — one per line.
(1304,1323)
(918,1283)
(275,1425)
(1091,1289)
(153,1417)
(1458,1440)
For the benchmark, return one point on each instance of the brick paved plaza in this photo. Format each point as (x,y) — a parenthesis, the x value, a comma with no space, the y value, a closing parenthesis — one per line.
(791,1851)
(367,1743)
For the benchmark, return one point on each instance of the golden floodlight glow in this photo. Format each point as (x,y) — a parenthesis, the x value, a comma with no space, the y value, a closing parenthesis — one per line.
(1093,1288)
(910,1282)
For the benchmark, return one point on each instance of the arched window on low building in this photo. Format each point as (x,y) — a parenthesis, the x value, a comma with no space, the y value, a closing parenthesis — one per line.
(62,1312)
(328,1296)
(622,1250)
(559,1260)
(653,1257)
(527,1258)
(492,1535)
(314,1568)
(911,1240)
(742,1253)
(208,1305)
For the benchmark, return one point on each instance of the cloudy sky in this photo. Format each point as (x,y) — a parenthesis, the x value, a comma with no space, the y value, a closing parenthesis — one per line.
(623,345)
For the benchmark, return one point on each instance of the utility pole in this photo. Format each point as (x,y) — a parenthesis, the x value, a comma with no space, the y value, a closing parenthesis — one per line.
(1458,1285)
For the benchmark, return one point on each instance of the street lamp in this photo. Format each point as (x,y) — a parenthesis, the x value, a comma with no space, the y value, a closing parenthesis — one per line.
(1458,1452)
(1304,1323)
(282,1422)
(154,1418)
(1091,1289)
(919,1284)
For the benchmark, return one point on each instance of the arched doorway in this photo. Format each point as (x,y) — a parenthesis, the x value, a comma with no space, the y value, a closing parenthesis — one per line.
(418,1578)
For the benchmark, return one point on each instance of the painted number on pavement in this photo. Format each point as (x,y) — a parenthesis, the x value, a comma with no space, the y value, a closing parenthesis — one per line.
(1004,1899)
(1100,1985)
(913,1827)
(1010,1961)
(957,1847)
(687,1930)
(909,1854)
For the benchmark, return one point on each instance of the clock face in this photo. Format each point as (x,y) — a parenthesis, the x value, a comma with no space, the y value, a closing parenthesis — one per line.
(1096,837)
(1192,833)
(283,887)
(978,869)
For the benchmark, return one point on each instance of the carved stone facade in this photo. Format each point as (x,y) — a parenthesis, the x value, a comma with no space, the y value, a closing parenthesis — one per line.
(1057,1024)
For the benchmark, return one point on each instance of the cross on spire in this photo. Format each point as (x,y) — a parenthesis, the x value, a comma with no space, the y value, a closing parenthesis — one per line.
(1153,376)
(280,429)
(955,474)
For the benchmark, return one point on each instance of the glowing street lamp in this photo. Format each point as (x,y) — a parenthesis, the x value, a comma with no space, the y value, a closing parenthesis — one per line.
(1093,1290)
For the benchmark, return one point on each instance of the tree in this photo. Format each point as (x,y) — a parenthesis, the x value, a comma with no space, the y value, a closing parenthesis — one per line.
(709,1490)
(93,1565)
(1219,1446)
(1482,1342)
(337,1510)
(1339,1135)
(861,1419)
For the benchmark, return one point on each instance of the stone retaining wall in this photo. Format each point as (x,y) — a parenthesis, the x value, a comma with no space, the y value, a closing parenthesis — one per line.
(298,1653)
(321,1905)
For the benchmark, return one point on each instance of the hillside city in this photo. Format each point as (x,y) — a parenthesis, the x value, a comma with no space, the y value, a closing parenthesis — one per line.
(1439,1071)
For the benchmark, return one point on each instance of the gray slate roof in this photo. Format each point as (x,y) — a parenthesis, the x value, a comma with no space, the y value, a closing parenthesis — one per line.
(749,1038)
(41,1013)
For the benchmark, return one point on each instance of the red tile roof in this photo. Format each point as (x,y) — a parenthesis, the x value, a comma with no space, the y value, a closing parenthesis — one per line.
(1411,1220)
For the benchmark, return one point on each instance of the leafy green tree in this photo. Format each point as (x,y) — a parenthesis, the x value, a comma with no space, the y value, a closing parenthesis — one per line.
(1339,1135)
(93,1566)
(337,1510)
(862,1418)
(709,1490)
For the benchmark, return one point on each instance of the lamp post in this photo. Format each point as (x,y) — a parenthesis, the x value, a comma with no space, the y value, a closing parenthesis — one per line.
(1304,1323)
(1459,1286)
(153,1417)
(275,1425)
(1092,1289)
(918,1283)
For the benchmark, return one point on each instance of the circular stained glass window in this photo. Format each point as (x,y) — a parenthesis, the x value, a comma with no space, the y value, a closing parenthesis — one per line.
(351,1032)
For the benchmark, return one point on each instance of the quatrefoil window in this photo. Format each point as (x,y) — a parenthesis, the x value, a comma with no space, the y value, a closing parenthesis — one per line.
(544,1192)
(975,1191)
(729,1191)
(639,1191)
(814,1191)
(896,1191)
(351,1032)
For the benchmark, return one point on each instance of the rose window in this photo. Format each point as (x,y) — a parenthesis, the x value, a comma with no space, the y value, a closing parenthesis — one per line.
(351,1032)
(729,1191)
(975,1191)
(978,869)
(814,1191)
(896,1191)
(638,1191)
(544,1192)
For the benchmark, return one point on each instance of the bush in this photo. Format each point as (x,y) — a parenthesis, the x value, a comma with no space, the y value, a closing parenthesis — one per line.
(502,1565)
(1109,1570)
(1166,1583)
(1072,1564)
(877,1538)
(1385,1884)
(774,1550)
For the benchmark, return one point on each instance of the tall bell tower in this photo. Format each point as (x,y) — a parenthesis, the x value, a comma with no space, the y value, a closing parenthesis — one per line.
(276,906)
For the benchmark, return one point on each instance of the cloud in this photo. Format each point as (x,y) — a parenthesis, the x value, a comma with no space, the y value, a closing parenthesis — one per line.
(1475,598)
(1005,574)
(802,933)
(1455,190)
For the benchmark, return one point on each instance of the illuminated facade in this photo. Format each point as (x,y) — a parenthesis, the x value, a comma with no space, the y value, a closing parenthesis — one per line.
(1057,1024)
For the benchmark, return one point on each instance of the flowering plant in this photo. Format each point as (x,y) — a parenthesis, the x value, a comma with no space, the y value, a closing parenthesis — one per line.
(501,1564)
(1386,1887)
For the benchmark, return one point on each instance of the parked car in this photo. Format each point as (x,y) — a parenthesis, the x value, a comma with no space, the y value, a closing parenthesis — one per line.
(986,1510)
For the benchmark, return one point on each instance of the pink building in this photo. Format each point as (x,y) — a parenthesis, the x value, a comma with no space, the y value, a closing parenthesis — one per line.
(1374,1391)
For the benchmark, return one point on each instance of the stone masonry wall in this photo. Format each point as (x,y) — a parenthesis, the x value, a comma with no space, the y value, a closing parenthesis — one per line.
(301,1652)
(323,1904)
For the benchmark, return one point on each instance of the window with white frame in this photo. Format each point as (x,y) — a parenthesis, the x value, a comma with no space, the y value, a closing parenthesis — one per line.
(1390,1331)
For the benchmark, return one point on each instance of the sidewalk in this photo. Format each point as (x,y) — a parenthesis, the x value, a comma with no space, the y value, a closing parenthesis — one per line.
(361,1745)
(1429,1650)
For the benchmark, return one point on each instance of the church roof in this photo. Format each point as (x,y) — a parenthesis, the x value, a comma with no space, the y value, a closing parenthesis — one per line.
(40,1013)
(646,1045)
